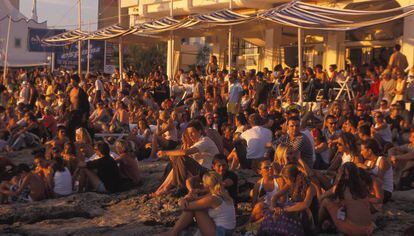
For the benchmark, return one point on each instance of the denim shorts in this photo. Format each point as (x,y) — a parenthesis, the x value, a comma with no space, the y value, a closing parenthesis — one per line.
(220,231)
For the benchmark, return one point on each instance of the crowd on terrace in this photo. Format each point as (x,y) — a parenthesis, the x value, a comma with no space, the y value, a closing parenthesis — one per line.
(325,164)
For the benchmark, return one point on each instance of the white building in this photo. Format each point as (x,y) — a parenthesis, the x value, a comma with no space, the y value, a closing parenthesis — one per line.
(18,50)
(268,45)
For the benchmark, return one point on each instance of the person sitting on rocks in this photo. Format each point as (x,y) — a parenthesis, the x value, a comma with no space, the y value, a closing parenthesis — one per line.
(58,142)
(24,187)
(379,166)
(402,158)
(230,179)
(28,135)
(83,140)
(214,212)
(264,190)
(62,179)
(166,134)
(128,164)
(350,196)
(107,177)
(69,156)
(43,169)
(198,162)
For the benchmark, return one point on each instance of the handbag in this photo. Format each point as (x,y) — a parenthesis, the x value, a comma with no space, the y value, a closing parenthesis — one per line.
(284,225)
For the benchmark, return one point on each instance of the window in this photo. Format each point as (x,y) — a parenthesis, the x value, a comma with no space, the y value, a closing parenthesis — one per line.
(17,43)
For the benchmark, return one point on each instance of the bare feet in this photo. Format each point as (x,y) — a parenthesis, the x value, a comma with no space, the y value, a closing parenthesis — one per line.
(160,191)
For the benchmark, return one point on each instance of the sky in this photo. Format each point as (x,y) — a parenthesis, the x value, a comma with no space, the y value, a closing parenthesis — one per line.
(63,13)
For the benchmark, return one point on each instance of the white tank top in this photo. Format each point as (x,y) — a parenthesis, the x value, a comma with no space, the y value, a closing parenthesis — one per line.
(63,182)
(224,215)
(269,195)
(388,176)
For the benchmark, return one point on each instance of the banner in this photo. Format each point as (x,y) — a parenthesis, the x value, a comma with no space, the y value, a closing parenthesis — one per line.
(68,58)
(109,66)
(37,35)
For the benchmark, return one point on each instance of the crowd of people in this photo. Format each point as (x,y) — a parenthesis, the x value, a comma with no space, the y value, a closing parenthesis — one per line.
(324,165)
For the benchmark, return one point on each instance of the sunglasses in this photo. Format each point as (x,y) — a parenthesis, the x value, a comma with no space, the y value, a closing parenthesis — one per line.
(266,167)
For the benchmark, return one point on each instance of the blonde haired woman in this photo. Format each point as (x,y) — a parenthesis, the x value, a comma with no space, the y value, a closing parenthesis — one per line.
(84,141)
(214,212)
(281,158)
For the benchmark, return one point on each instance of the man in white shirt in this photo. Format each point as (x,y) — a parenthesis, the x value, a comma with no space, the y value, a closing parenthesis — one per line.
(257,138)
(99,88)
(195,160)
(235,95)
(24,93)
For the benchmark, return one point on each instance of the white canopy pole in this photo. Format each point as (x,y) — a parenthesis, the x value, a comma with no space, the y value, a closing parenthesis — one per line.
(300,65)
(172,41)
(120,46)
(89,52)
(170,53)
(6,54)
(80,41)
(230,52)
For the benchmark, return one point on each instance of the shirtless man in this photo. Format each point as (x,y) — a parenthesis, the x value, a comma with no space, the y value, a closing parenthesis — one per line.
(128,164)
(79,105)
(24,187)
(74,93)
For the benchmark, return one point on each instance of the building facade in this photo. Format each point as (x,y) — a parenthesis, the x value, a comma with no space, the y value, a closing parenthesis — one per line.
(268,45)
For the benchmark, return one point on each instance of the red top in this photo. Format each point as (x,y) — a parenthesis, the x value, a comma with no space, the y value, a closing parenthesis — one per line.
(375,86)
(50,123)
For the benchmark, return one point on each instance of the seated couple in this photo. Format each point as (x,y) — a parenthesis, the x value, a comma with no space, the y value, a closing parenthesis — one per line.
(193,159)
(103,175)
(214,212)
(26,186)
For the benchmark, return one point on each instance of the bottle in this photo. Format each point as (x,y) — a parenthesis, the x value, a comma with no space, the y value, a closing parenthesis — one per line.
(76,186)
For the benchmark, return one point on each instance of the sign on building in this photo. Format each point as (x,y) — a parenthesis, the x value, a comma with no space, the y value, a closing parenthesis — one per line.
(109,65)
(37,35)
(68,58)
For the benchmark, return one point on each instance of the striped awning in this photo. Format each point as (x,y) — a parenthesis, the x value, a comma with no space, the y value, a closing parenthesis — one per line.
(161,25)
(222,17)
(110,32)
(65,38)
(309,16)
(296,14)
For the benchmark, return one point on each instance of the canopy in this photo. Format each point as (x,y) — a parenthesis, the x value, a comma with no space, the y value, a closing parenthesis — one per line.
(161,25)
(297,14)
(222,17)
(308,16)
(110,32)
(66,37)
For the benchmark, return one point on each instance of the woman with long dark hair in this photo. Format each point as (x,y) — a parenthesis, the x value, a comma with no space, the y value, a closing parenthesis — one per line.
(379,166)
(295,214)
(347,206)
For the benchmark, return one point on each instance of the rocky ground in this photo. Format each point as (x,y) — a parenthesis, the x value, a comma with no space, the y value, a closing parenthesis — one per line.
(135,213)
